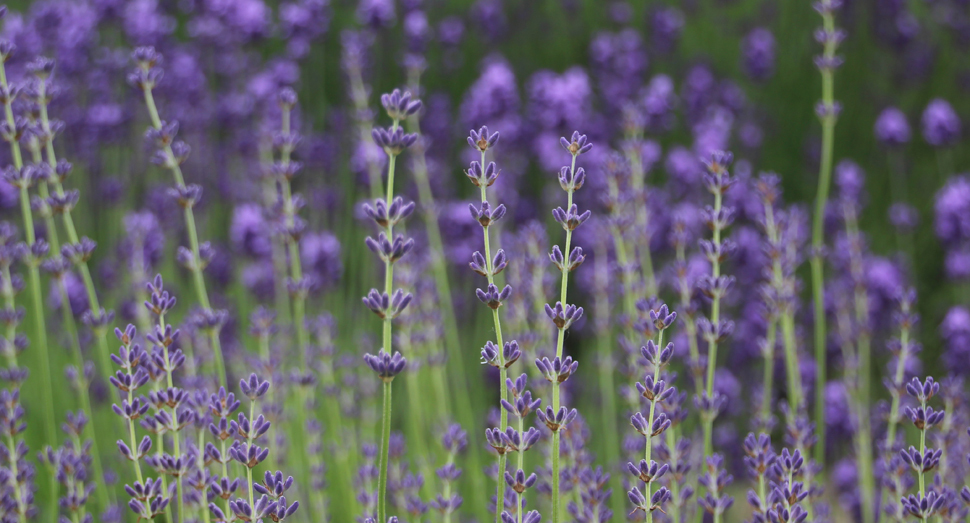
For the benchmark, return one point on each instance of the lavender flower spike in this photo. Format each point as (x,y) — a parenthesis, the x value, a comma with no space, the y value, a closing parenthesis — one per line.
(389,303)
(563,315)
(145,77)
(487,265)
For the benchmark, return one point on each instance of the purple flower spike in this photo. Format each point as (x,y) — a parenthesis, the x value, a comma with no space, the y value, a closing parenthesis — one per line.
(941,125)
(399,105)
(482,139)
(892,128)
(385,365)
(576,145)
(253,388)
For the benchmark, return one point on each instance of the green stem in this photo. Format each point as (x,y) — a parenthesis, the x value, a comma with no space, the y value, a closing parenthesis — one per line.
(769,373)
(563,286)
(439,269)
(712,342)
(83,393)
(818,233)
(648,453)
(385,439)
(196,269)
(40,328)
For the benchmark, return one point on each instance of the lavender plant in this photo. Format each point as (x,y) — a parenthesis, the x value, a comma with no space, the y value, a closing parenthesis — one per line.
(171,153)
(386,214)
(500,354)
(563,315)
(189,450)
(828,111)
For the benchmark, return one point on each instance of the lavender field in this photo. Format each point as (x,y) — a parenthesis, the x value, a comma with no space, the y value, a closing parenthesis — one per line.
(510,261)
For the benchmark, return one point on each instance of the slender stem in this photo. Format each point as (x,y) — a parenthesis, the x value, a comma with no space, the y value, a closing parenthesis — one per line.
(439,269)
(520,467)
(189,215)
(708,424)
(304,393)
(178,437)
(83,392)
(503,372)
(637,182)
(37,308)
(653,407)
(385,439)
(563,286)
(818,231)
(12,480)
(769,373)
(72,236)
(358,95)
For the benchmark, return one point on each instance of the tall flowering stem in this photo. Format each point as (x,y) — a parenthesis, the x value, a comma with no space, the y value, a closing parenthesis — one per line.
(715,286)
(863,353)
(439,270)
(903,349)
(781,294)
(389,304)
(293,227)
(500,354)
(927,502)
(79,249)
(519,440)
(633,149)
(564,315)
(655,391)
(21,178)
(828,111)
(171,155)
(284,171)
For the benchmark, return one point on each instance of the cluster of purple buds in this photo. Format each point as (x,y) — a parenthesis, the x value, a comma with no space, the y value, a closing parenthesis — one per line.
(519,440)
(16,473)
(138,369)
(70,464)
(715,480)
(787,492)
(509,354)
(657,393)
(829,37)
(926,502)
(454,441)
(386,366)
